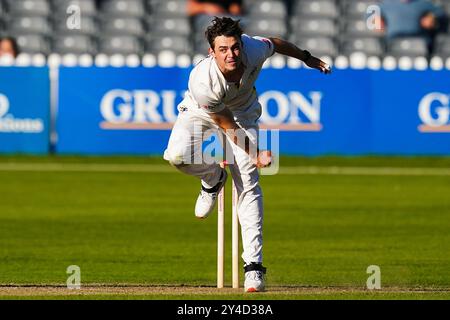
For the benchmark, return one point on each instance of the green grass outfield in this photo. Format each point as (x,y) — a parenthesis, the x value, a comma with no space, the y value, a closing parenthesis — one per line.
(128,223)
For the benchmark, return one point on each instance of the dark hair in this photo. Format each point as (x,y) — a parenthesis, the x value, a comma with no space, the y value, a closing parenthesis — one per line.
(223,27)
(14,44)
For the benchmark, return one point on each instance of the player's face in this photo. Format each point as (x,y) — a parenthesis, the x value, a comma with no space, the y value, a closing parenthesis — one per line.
(227,52)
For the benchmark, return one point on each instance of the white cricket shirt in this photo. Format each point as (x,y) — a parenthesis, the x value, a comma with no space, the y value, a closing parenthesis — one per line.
(209,92)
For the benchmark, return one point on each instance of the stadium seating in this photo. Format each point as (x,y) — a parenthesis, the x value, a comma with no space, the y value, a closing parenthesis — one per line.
(408,46)
(123,8)
(87,7)
(369,46)
(175,43)
(77,44)
(267,9)
(171,26)
(33,43)
(321,46)
(168,8)
(201,47)
(88,26)
(356,9)
(325,27)
(123,26)
(120,45)
(442,46)
(316,8)
(28,7)
(30,25)
(314,27)
(358,27)
(269,27)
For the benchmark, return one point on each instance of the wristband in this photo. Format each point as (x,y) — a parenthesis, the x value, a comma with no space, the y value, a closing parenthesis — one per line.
(308,55)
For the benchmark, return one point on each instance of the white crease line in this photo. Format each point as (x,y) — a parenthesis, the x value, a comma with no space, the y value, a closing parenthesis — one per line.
(152,168)
(70,167)
(370,171)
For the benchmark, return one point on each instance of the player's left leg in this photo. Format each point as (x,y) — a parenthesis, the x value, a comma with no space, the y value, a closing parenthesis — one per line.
(250,211)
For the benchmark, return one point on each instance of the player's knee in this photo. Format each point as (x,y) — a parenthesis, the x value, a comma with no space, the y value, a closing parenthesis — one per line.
(174,158)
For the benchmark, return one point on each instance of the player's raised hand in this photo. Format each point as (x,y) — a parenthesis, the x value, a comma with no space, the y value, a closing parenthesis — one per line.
(318,64)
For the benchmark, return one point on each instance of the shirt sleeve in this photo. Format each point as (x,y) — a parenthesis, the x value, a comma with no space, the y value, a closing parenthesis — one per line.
(206,98)
(258,48)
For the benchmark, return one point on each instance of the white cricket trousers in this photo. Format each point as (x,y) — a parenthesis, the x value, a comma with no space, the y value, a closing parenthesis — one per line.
(184,151)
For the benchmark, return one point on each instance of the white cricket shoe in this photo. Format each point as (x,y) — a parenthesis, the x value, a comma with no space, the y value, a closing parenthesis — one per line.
(207,198)
(254,278)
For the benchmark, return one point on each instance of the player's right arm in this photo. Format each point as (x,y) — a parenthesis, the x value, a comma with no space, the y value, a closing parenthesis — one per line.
(225,120)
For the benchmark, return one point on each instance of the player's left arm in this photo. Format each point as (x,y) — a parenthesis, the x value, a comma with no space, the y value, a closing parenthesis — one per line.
(289,49)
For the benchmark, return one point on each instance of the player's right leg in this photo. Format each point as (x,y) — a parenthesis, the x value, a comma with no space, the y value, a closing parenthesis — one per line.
(184,151)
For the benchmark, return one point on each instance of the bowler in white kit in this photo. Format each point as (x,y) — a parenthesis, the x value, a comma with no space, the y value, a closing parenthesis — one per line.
(221,98)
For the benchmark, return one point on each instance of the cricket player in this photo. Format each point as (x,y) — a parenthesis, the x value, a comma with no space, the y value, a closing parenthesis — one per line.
(221,97)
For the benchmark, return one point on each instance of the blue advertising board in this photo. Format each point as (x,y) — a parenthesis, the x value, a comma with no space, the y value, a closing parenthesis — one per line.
(351,112)
(24,110)
(317,114)
(117,111)
(410,112)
